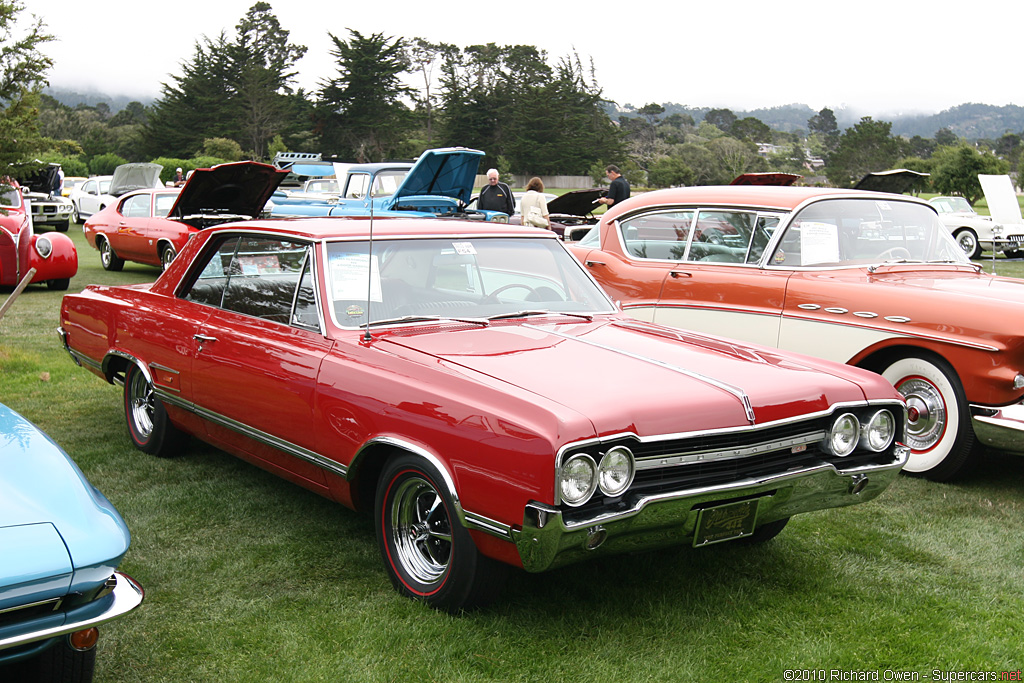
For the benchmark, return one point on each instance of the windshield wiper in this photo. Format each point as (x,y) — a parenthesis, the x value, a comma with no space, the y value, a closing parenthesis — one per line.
(529,312)
(429,318)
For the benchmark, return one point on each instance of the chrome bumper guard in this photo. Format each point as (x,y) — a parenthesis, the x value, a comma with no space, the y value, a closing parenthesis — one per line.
(547,540)
(1000,428)
(126,596)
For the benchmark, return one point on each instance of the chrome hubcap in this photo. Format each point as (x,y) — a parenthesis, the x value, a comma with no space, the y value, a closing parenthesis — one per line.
(926,413)
(421,530)
(141,403)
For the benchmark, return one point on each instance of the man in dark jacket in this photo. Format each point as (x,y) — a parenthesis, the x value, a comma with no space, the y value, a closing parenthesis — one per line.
(495,195)
(618,191)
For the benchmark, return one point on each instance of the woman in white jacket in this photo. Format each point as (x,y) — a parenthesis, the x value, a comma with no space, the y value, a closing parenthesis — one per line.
(533,206)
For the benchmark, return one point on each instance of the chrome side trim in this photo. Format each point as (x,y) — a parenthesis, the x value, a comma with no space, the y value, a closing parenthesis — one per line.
(748,408)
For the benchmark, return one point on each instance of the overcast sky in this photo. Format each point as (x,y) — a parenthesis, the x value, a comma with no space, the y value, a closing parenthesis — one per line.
(874,57)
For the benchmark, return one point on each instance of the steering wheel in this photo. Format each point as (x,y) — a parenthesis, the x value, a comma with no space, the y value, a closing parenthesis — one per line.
(895,252)
(492,298)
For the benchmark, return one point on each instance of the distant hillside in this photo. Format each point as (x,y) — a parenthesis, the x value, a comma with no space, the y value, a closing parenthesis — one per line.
(72,99)
(969,121)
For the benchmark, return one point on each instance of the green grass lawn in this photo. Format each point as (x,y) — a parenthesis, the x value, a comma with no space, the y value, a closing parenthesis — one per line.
(250,578)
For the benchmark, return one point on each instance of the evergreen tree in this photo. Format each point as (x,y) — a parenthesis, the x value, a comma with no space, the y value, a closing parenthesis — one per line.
(360,113)
(868,147)
(22,74)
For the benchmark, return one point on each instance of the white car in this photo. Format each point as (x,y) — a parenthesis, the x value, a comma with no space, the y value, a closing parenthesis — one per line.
(971,231)
(86,196)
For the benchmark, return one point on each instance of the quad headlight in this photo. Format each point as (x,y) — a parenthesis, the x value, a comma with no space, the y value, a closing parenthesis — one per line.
(615,472)
(844,435)
(578,479)
(879,432)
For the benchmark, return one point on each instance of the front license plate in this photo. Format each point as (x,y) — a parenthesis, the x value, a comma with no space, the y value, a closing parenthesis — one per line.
(726,522)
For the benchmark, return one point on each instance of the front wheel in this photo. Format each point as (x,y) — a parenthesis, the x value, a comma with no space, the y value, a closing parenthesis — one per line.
(939,430)
(59,285)
(968,241)
(56,664)
(62,226)
(148,425)
(429,555)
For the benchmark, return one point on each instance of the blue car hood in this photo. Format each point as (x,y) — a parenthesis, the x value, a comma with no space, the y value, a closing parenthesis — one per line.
(446,172)
(49,508)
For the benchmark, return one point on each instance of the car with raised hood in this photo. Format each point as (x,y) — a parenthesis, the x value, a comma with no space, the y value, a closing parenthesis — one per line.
(1008,234)
(571,214)
(62,542)
(866,278)
(152,226)
(470,386)
(438,184)
(47,205)
(974,233)
(98,193)
(50,257)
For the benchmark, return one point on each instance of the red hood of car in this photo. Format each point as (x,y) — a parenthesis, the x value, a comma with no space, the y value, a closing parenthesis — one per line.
(659,386)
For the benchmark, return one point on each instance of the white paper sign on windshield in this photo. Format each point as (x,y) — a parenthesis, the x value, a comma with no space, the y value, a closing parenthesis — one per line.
(819,243)
(350,277)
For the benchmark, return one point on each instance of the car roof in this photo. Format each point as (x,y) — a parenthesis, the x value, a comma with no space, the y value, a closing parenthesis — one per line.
(782,198)
(384,228)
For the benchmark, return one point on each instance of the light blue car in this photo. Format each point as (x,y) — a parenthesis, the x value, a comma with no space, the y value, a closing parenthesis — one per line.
(60,544)
(439,184)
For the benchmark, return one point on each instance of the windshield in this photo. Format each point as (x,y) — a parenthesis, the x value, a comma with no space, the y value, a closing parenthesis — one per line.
(848,232)
(9,197)
(471,278)
(951,205)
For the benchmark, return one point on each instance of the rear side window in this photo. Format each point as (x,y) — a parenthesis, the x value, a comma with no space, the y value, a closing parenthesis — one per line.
(262,277)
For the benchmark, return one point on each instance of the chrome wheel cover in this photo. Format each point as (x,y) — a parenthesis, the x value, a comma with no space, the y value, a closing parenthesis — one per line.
(421,530)
(106,253)
(166,256)
(967,242)
(926,411)
(141,404)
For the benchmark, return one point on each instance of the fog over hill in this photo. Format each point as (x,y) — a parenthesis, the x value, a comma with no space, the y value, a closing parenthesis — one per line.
(969,121)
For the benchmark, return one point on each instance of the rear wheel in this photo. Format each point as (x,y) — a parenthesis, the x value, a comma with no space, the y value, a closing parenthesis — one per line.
(428,553)
(968,241)
(939,430)
(166,256)
(108,258)
(148,425)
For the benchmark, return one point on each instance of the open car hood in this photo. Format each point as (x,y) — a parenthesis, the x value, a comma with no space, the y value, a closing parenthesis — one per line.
(766,179)
(576,203)
(237,189)
(42,180)
(448,172)
(129,177)
(897,181)
(1001,199)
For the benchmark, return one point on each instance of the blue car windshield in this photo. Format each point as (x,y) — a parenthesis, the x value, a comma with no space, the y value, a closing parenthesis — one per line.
(464,278)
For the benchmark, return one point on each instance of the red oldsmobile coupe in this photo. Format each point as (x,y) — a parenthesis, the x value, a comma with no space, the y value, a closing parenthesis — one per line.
(869,279)
(470,384)
(151,226)
(53,255)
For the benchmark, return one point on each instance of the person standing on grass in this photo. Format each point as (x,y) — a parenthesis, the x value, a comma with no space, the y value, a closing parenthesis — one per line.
(496,195)
(619,189)
(535,206)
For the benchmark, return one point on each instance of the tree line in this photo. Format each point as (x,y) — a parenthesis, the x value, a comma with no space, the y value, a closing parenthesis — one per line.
(392,98)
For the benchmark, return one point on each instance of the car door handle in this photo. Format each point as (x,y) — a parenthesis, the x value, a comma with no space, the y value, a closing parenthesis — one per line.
(679,273)
(591,264)
(202,338)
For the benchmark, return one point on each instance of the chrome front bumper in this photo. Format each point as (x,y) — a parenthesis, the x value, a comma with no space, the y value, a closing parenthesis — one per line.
(547,540)
(1000,428)
(126,596)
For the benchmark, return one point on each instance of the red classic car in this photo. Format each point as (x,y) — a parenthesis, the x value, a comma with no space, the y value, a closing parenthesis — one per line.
(52,255)
(424,375)
(869,279)
(151,226)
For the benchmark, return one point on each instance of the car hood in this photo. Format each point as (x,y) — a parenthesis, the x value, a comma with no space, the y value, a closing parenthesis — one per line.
(129,177)
(658,385)
(576,203)
(237,189)
(447,172)
(50,511)
(897,181)
(42,181)
(768,178)
(1001,198)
